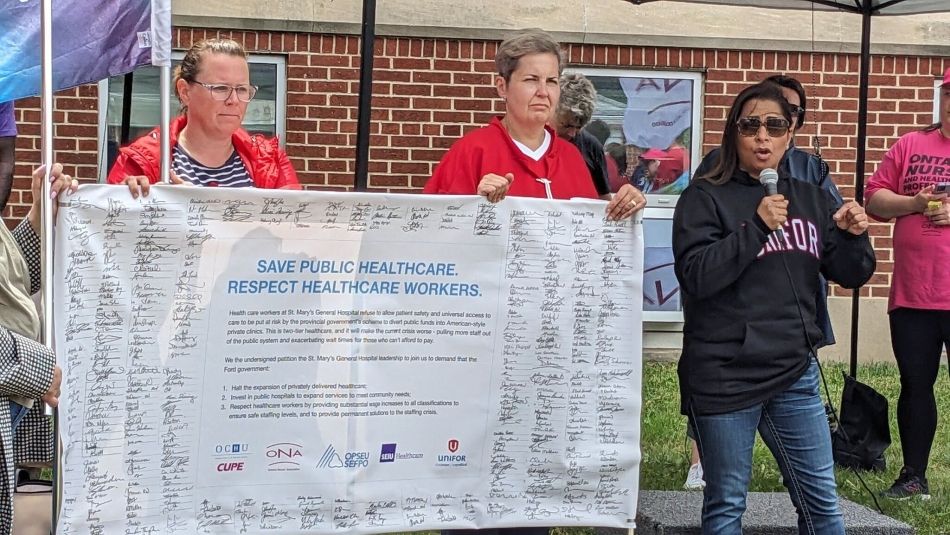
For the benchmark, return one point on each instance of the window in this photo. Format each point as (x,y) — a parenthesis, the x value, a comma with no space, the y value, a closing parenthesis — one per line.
(265,114)
(937,83)
(649,114)
(650,125)
(662,300)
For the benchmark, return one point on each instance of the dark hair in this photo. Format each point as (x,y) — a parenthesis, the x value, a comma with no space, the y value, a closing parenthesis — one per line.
(796,86)
(191,63)
(728,160)
(599,129)
(619,153)
(524,43)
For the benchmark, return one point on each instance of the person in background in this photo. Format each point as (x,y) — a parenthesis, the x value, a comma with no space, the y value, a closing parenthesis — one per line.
(749,307)
(8,134)
(209,146)
(574,110)
(518,154)
(599,129)
(677,163)
(905,188)
(803,166)
(644,176)
(28,369)
(616,166)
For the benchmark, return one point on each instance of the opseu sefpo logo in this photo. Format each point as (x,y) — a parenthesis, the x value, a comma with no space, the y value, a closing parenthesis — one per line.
(332,458)
(453,458)
(284,457)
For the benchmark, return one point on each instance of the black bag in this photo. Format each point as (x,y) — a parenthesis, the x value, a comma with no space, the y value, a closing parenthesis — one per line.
(862,433)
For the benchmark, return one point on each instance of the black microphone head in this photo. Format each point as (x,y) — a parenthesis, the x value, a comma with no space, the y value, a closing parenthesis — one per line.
(769,179)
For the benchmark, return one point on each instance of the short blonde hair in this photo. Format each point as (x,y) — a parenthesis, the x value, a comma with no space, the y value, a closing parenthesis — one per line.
(524,43)
(191,64)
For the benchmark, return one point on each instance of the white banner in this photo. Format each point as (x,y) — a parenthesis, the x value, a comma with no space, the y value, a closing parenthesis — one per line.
(248,361)
(658,110)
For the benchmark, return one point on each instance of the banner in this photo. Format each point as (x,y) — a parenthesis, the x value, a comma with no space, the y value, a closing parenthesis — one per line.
(250,361)
(92,40)
(658,110)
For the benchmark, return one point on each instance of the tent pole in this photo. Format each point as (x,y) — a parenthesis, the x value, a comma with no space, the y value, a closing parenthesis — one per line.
(126,126)
(865,67)
(368,41)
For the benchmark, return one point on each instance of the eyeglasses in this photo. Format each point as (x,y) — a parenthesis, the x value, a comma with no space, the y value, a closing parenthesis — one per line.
(775,126)
(244,92)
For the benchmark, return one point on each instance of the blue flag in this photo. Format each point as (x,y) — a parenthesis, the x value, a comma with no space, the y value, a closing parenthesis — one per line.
(92,40)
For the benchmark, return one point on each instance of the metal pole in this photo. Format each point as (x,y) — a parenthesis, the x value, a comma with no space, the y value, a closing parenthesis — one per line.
(361,180)
(126,126)
(863,80)
(165,83)
(46,219)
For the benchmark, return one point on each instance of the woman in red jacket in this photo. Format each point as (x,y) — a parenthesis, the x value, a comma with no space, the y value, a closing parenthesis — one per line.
(518,154)
(208,145)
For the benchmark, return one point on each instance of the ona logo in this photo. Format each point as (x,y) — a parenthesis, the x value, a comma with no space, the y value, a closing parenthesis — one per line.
(453,445)
(284,455)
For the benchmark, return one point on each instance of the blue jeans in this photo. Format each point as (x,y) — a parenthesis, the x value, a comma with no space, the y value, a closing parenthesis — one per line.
(17,412)
(794,427)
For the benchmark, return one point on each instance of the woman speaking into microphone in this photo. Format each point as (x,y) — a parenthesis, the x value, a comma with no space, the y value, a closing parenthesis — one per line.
(748,261)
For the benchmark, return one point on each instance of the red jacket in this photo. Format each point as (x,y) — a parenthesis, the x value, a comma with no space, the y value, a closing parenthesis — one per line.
(265,161)
(490,150)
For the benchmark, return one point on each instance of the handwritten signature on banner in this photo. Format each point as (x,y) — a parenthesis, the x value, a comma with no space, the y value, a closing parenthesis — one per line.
(290,362)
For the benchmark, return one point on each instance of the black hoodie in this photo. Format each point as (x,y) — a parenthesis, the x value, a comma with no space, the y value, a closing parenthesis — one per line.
(746,318)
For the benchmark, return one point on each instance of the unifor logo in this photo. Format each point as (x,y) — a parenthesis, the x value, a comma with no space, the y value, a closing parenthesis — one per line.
(388,453)
(453,445)
(284,456)
(331,458)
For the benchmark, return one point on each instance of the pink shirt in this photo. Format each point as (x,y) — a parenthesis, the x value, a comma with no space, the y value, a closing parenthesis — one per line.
(921,249)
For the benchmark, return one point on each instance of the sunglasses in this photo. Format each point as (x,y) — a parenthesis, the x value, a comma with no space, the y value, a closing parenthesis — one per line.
(775,126)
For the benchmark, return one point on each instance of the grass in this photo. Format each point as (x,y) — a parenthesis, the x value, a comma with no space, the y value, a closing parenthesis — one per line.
(666,453)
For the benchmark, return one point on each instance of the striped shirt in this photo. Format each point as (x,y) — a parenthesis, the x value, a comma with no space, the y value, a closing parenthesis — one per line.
(233,174)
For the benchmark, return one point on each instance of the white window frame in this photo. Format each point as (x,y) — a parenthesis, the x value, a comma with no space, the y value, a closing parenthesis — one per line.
(936,115)
(661,206)
(280,103)
(661,316)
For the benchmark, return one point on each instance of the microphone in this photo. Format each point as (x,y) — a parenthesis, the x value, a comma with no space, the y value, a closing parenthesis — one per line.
(769,179)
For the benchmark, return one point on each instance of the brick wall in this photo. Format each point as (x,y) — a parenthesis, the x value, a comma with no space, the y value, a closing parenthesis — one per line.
(428,92)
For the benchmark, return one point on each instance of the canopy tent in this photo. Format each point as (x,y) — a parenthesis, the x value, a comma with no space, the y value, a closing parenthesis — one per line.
(870,7)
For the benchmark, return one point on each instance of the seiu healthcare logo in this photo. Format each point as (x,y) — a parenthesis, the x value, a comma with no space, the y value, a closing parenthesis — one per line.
(331,458)
(283,457)
(452,458)
(387,453)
